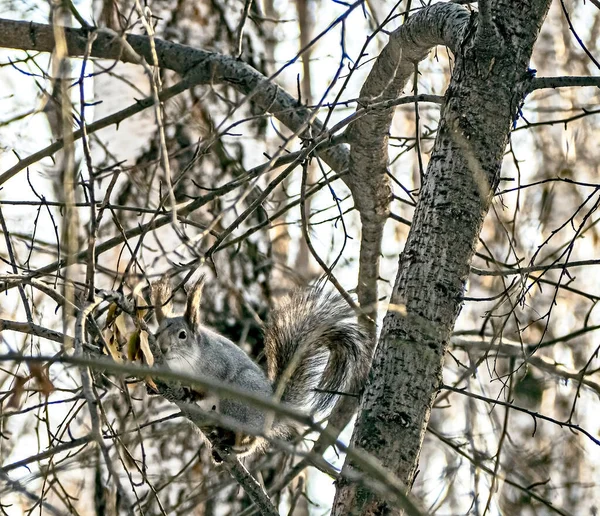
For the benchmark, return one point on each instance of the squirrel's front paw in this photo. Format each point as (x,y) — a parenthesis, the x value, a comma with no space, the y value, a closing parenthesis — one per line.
(228,441)
(216,456)
(222,442)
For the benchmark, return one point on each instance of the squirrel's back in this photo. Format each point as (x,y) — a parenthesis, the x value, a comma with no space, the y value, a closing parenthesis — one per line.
(316,349)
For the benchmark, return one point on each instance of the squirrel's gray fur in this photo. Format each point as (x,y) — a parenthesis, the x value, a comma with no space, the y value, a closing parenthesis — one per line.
(314,345)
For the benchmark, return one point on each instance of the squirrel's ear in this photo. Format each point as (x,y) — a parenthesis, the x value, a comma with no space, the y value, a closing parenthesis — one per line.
(192,309)
(161,298)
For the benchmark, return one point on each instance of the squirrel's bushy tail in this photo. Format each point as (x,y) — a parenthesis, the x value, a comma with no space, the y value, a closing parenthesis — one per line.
(316,348)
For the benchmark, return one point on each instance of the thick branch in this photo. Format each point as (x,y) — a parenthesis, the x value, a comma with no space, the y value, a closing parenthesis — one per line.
(35,329)
(441,24)
(539,83)
(482,100)
(207,68)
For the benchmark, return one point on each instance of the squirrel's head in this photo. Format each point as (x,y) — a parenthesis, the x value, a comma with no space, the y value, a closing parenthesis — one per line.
(176,335)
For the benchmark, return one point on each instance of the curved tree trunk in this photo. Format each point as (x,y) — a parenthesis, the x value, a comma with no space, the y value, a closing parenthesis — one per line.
(488,84)
(369,135)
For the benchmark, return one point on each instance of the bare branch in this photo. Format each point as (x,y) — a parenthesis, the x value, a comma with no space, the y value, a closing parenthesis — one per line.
(206,67)
(369,136)
(516,350)
(18,488)
(250,485)
(534,415)
(372,473)
(59,448)
(35,329)
(564,82)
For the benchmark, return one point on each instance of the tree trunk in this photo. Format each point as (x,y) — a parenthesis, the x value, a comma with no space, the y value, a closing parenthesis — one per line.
(488,85)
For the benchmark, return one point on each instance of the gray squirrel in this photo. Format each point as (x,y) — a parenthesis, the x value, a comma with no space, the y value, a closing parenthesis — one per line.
(315,348)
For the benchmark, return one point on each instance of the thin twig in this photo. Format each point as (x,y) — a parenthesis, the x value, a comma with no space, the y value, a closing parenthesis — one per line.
(240,28)
(372,473)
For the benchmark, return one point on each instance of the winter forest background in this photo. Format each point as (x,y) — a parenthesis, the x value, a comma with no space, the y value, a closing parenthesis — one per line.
(214,176)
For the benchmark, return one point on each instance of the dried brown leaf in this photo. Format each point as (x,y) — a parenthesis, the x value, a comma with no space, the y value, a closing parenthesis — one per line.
(145,347)
(16,398)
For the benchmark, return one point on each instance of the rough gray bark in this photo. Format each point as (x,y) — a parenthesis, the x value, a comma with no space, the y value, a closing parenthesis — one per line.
(369,136)
(489,82)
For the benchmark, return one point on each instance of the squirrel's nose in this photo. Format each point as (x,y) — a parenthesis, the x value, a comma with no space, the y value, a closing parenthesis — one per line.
(164,347)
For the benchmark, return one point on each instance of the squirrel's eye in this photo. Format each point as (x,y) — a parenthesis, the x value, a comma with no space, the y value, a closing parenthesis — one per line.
(182,335)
